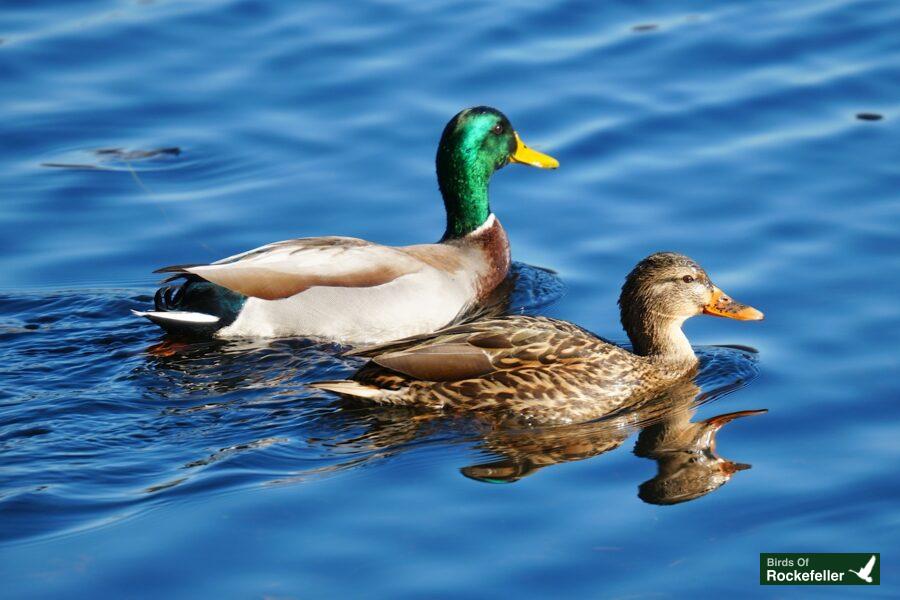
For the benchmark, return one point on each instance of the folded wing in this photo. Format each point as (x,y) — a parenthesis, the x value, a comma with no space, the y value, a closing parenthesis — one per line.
(477,349)
(283,269)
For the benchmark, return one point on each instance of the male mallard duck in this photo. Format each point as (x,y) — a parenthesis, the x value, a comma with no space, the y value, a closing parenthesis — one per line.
(350,290)
(546,370)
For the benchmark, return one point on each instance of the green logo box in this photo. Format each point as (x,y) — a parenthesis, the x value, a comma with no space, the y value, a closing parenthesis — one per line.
(786,568)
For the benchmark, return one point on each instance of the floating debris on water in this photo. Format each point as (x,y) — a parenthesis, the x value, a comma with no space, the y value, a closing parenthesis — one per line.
(109,157)
(645,27)
(869,116)
(120,154)
(71,166)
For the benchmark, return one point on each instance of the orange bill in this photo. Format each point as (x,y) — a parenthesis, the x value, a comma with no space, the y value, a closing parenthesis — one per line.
(721,305)
(527,156)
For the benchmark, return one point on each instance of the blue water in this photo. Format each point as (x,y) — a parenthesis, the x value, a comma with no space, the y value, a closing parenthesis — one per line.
(726,131)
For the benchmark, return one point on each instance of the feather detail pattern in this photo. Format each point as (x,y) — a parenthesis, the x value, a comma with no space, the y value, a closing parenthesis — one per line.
(535,368)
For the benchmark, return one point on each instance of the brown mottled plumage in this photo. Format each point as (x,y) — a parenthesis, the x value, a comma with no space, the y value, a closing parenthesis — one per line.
(543,370)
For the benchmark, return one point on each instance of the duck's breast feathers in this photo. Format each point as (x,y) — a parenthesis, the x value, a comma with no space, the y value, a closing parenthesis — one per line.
(283,269)
(477,349)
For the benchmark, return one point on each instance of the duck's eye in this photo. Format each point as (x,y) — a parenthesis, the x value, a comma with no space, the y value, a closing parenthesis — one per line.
(497,129)
(688,279)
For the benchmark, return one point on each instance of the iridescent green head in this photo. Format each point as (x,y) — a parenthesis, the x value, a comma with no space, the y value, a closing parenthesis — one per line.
(475,143)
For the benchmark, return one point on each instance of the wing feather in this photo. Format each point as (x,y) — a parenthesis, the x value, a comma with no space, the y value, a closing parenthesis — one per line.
(287,268)
(482,347)
(442,362)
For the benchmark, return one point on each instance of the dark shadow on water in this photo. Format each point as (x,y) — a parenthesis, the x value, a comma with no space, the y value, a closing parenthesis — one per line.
(527,290)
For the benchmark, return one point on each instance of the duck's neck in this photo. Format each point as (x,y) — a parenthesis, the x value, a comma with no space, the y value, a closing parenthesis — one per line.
(464,186)
(661,340)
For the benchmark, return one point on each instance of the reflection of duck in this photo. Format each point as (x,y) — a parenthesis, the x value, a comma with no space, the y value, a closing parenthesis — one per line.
(685,454)
(684,450)
(545,370)
(352,290)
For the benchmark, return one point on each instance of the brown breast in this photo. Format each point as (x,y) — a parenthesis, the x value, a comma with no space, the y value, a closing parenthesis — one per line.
(494,244)
(489,246)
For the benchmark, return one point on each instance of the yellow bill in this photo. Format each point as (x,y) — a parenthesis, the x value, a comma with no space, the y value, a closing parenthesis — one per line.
(527,156)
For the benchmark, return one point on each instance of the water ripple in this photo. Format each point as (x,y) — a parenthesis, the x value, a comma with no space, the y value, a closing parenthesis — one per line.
(735,133)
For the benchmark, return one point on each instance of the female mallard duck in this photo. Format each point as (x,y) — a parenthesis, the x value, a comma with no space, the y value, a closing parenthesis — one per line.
(550,371)
(350,290)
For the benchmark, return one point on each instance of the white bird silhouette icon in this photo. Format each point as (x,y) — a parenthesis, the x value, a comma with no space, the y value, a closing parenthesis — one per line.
(865,572)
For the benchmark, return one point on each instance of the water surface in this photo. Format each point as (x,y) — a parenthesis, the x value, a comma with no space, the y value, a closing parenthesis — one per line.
(141,134)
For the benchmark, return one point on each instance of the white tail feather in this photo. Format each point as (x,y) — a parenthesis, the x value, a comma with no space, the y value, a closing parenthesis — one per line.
(350,388)
(180,316)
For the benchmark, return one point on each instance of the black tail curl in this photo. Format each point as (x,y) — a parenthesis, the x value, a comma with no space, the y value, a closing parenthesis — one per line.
(169,297)
(192,293)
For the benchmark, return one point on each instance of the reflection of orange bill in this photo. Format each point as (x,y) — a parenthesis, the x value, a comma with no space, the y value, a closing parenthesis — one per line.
(722,306)
(720,420)
(730,468)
